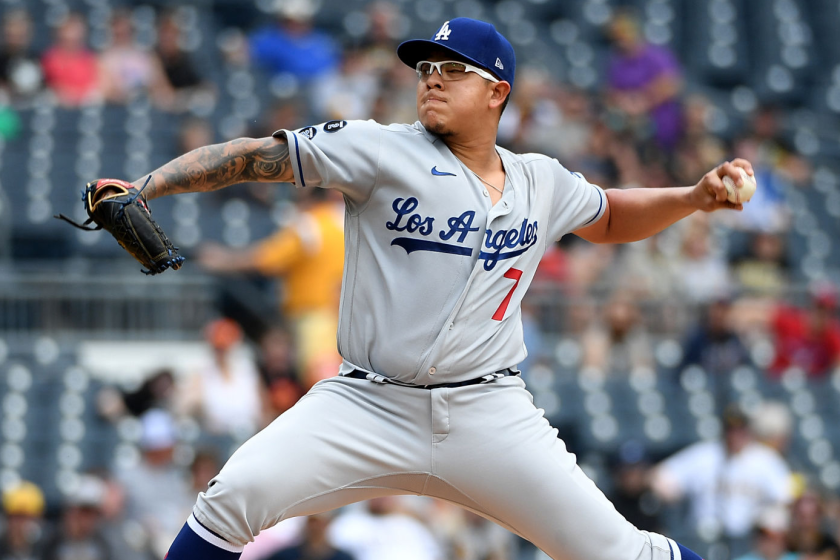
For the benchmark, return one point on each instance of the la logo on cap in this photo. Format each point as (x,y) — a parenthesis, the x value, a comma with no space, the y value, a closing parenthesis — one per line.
(443,34)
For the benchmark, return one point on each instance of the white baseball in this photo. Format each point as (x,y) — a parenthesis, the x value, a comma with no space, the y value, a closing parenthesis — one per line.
(745,193)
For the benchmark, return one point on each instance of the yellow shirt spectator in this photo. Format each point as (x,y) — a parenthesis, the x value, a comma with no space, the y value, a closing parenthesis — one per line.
(309,255)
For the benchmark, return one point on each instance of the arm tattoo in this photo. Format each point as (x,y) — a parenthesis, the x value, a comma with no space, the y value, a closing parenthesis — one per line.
(221,165)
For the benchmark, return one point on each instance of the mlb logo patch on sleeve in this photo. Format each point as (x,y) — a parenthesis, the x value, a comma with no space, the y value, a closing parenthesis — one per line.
(334,126)
(309,132)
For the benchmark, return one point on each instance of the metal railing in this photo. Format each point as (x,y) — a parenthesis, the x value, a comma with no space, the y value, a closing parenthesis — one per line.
(114,306)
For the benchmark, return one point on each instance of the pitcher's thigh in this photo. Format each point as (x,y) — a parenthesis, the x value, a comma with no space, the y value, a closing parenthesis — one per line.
(506,458)
(331,449)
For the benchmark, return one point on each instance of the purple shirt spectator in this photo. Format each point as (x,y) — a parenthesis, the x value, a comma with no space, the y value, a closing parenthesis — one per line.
(636,71)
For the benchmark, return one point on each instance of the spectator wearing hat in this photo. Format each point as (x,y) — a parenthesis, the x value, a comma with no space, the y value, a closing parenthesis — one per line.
(224,392)
(769,537)
(23,505)
(80,534)
(727,482)
(158,493)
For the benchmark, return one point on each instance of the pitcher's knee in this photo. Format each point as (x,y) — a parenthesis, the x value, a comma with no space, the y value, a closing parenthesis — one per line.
(232,509)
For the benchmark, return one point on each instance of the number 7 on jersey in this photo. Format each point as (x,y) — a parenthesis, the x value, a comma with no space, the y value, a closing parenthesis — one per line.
(513,274)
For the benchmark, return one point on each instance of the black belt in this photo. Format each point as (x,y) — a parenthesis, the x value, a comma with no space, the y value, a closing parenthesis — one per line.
(376,378)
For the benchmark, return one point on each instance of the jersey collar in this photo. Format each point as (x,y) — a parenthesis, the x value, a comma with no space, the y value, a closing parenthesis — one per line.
(429,136)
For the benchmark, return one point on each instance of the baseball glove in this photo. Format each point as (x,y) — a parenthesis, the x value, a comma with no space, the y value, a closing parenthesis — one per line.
(117,207)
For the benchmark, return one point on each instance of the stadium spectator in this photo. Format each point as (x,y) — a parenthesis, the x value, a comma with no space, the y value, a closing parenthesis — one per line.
(71,70)
(713,344)
(379,530)
(224,392)
(644,83)
(764,269)
(645,269)
(309,256)
(698,149)
(772,424)
(22,538)
(700,270)
(631,494)
(808,338)
(278,372)
(769,537)
(348,93)
(205,465)
(156,391)
(480,539)
(765,141)
(463,534)
(179,69)
(188,84)
(727,483)
(80,534)
(397,100)
(21,76)
(807,535)
(383,34)
(620,343)
(293,46)
(549,119)
(315,544)
(611,159)
(127,70)
(588,264)
(121,533)
(158,494)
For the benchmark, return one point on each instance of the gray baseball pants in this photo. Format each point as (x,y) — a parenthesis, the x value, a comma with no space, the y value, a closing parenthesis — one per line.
(483,447)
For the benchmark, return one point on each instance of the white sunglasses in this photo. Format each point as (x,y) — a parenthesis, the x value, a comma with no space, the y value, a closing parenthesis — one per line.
(451,70)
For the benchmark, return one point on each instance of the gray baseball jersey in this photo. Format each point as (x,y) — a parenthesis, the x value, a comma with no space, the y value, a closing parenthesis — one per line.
(434,274)
(433,279)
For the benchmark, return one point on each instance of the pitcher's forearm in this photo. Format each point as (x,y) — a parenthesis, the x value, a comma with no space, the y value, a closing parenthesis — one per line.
(640,213)
(221,165)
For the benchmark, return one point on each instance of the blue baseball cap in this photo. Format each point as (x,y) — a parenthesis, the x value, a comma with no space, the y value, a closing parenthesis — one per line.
(476,41)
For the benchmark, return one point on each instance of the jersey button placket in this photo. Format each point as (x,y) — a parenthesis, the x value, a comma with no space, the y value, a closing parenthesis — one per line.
(432,370)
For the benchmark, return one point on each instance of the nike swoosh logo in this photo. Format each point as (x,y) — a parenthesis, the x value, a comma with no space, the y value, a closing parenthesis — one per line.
(441,173)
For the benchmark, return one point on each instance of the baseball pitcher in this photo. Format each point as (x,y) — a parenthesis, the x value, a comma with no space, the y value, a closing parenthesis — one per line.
(443,233)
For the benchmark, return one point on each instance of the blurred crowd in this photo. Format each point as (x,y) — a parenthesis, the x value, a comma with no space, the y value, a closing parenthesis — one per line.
(724,286)
(745,491)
